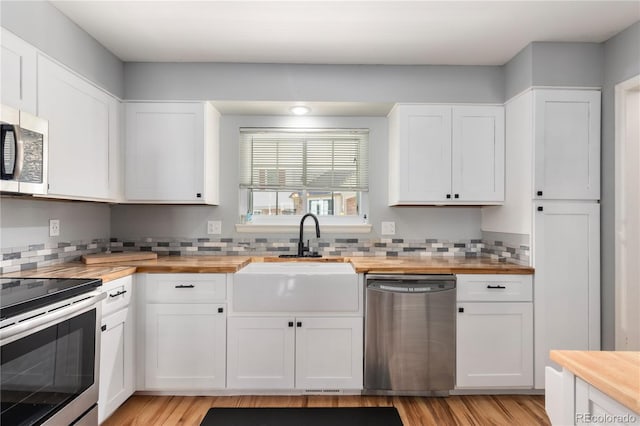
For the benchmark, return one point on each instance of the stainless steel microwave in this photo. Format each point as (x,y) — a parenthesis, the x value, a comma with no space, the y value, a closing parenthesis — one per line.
(24,145)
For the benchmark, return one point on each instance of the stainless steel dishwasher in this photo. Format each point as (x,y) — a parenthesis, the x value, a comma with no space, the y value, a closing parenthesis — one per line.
(410,334)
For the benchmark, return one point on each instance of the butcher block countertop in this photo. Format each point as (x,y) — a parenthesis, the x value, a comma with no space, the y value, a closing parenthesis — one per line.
(230,264)
(435,265)
(614,373)
(76,270)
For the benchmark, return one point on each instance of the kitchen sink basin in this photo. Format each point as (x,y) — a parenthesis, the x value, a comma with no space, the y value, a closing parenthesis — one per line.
(296,287)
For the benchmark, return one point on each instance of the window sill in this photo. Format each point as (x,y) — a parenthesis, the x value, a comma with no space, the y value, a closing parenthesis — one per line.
(361,228)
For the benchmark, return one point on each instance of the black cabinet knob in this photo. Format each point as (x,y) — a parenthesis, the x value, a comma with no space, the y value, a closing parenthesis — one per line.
(290,323)
(103,328)
(220,310)
(460,310)
(456,196)
(448,195)
(539,193)
(540,208)
(198,195)
(299,324)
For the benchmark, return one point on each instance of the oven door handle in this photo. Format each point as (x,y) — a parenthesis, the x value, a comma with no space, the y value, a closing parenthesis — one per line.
(52,317)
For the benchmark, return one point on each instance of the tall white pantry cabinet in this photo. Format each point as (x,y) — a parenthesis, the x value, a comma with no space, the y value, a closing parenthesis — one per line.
(552,194)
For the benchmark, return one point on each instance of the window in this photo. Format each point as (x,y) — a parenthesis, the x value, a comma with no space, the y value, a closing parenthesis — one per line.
(292,172)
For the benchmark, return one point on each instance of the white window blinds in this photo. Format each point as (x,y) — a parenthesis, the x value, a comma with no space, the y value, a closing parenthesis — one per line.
(278,159)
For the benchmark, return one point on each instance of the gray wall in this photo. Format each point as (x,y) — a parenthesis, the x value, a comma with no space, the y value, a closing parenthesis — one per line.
(567,64)
(26,221)
(518,73)
(286,82)
(621,62)
(190,221)
(554,64)
(44,26)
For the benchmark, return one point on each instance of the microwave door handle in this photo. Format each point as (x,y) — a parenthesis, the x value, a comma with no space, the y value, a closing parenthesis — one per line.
(19,145)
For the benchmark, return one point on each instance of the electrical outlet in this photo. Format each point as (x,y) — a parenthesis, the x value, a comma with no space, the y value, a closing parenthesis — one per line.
(214,227)
(54,227)
(388,228)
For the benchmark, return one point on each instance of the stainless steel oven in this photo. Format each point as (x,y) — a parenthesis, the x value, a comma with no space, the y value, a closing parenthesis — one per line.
(49,354)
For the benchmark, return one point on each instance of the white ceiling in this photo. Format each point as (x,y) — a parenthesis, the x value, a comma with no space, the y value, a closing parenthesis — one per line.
(342,32)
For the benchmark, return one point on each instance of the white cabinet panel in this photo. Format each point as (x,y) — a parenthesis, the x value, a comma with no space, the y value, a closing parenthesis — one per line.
(329,353)
(171,152)
(567,287)
(478,154)
(116,362)
(18,81)
(261,353)
(421,149)
(185,346)
(82,136)
(494,345)
(567,144)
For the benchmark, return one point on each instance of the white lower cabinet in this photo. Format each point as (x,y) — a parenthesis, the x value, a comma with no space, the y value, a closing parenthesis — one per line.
(116,362)
(184,346)
(495,345)
(310,353)
(494,339)
(117,359)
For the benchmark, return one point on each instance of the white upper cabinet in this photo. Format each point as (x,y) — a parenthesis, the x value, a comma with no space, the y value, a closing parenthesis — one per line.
(567,144)
(478,154)
(83,134)
(443,154)
(18,80)
(171,153)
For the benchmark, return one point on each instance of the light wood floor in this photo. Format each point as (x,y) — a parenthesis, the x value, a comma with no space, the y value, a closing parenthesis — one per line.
(481,410)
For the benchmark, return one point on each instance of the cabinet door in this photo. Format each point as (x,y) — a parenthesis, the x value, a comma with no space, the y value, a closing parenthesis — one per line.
(260,353)
(567,144)
(165,152)
(478,154)
(116,362)
(185,346)
(80,132)
(567,281)
(18,81)
(420,154)
(329,353)
(494,345)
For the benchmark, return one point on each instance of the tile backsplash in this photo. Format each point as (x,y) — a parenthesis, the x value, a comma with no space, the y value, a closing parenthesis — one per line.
(502,247)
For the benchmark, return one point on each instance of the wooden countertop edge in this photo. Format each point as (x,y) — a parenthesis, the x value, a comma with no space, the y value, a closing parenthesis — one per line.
(165,265)
(609,379)
(112,276)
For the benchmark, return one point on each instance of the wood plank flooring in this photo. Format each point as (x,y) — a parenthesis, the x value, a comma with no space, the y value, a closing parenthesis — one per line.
(521,410)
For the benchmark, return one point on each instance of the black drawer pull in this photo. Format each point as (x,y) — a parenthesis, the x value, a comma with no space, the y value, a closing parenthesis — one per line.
(496,286)
(299,324)
(185,286)
(120,293)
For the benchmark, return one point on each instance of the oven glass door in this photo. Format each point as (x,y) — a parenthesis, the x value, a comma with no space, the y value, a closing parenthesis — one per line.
(44,371)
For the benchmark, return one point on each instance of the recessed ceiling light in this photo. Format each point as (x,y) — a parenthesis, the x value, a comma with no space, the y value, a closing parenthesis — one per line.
(300,109)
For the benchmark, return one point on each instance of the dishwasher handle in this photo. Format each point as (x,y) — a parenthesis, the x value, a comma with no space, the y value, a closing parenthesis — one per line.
(410,286)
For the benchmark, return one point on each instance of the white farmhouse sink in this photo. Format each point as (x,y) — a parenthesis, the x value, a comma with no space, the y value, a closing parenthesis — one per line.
(296,287)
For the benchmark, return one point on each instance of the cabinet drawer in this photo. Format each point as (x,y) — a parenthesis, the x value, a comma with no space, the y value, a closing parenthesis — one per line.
(494,288)
(186,288)
(118,295)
